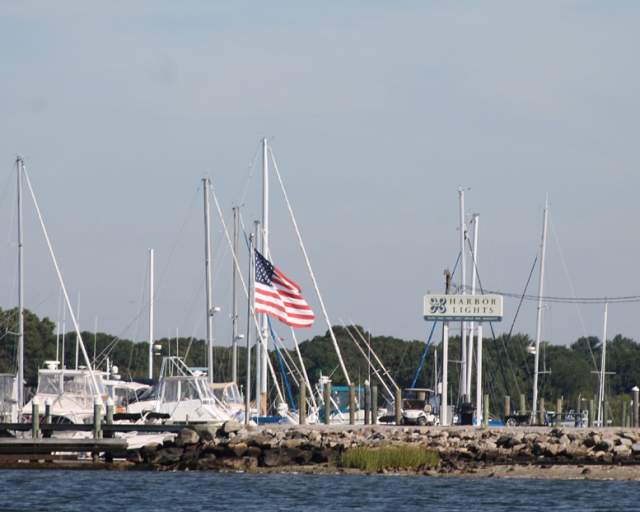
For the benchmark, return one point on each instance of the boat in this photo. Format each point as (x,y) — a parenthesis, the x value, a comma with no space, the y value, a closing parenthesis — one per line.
(69,393)
(185,397)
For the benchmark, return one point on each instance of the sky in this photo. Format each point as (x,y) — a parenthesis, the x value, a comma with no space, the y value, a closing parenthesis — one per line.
(377,112)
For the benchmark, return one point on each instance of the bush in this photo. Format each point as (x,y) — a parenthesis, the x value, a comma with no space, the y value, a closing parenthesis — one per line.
(390,457)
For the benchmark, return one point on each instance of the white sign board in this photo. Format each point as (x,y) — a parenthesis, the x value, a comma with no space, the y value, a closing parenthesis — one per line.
(480,308)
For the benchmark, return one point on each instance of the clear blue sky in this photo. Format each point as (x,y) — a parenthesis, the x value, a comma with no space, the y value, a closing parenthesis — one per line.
(377,112)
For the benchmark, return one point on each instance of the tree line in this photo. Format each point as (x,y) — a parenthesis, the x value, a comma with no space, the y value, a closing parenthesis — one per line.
(508,364)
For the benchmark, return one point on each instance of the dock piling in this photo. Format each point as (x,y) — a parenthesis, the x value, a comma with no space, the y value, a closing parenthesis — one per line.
(352,404)
(374,405)
(541,412)
(507,407)
(97,419)
(367,404)
(35,420)
(302,404)
(591,413)
(523,404)
(636,406)
(327,403)
(558,417)
(485,415)
(398,406)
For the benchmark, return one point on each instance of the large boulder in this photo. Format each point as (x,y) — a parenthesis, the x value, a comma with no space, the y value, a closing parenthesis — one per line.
(187,436)
(231,427)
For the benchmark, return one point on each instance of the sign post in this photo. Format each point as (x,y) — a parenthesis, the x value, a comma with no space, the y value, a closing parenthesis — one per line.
(476,308)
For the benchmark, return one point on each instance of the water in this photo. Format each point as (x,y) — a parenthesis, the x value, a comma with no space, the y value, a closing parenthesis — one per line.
(115,491)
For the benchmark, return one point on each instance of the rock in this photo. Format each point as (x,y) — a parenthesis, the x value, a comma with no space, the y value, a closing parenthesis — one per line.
(623,441)
(134,456)
(208,461)
(604,445)
(621,451)
(273,458)
(238,449)
(165,456)
(206,432)
(506,441)
(187,436)
(635,448)
(150,449)
(231,426)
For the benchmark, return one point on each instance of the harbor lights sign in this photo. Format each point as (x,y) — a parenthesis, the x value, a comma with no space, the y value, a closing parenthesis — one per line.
(479,308)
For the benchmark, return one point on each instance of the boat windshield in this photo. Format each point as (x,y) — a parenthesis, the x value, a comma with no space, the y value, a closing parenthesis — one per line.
(76,383)
(228,393)
(185,388)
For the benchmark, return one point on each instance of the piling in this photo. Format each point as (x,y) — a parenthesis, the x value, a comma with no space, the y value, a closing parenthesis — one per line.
(523,404)
(327,403)
(485,412)
(352,404)
(374,405)
(97,419)
(507,407)
(302,404)
(541,412)
(558,417)
(636,406)
(623,419)
(109,416)
(35,420)
(398,406)
(367,404)
(605,418)
(47,411)
(591,412)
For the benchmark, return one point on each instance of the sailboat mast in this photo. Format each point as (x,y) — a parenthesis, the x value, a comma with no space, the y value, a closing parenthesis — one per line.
(151,300)
(474,275)
(77,342)
(265,252)
(207,270)
(20,397)
(251,279)
(234,300)
(463,291)
(543,245)
(603,365)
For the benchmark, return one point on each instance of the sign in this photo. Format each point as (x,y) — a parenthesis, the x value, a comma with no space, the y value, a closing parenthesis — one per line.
(479,308)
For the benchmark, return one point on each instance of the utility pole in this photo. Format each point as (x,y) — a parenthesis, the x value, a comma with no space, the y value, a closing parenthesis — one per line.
(234,300)
(207,270)
(543,245)
(20,168)
(151,299)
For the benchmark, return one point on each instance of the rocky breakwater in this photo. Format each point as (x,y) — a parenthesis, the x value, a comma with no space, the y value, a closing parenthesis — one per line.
(319,448)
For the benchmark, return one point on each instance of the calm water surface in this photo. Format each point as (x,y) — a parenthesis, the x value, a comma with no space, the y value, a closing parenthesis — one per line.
(114,491)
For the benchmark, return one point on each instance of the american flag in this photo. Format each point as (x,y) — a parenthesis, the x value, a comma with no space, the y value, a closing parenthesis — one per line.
(278,296)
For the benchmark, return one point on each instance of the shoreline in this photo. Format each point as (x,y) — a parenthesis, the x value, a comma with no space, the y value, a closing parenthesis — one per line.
(467,452)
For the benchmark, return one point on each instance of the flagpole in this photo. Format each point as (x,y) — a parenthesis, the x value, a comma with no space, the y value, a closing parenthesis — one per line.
(265,251)
(259,331)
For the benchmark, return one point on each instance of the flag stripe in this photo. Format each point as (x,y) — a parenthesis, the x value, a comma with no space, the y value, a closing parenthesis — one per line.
(278,296)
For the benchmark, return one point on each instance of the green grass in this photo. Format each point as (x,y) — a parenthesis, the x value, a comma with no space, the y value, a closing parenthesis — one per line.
(389,457)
